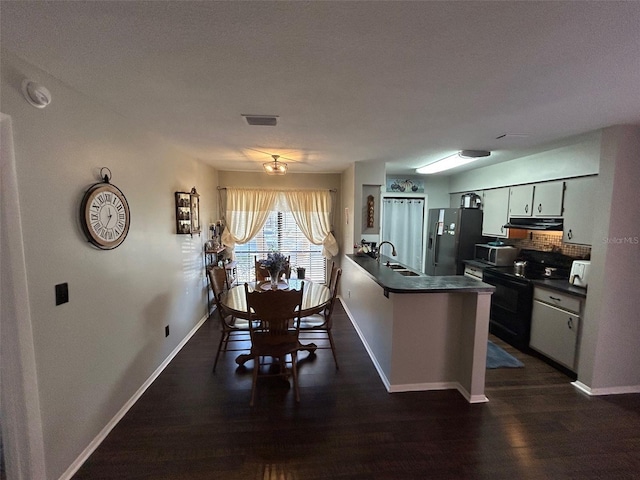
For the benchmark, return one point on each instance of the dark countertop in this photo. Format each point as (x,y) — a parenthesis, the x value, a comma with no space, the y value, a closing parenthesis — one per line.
(393,282)
(561,286)
(477,263)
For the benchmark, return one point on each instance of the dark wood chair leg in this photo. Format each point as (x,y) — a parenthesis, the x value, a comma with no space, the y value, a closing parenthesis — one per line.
(256,367)
(333,349)
(294,374)
(222,337)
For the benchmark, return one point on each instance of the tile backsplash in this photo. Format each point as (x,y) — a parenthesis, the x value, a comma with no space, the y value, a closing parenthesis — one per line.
(548,241)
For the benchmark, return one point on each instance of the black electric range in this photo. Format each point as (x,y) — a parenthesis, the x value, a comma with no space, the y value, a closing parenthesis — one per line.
(511,303)
(539,265)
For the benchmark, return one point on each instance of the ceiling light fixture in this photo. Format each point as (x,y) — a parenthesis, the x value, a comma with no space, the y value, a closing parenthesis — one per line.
(275,167)
(456,160)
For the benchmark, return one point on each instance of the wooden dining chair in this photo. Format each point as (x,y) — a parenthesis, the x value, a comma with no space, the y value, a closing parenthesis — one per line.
(275,326)
(332,275)
(232,329)
(322,323)
(262,274)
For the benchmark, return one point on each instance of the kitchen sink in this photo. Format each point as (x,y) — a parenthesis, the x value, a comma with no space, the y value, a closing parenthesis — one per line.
(407,273)
(396,266)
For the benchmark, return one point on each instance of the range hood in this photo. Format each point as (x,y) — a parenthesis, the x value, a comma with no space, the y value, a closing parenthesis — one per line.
(530,223)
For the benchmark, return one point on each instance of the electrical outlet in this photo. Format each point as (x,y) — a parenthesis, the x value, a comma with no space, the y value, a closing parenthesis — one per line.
(166,331)
(62,293)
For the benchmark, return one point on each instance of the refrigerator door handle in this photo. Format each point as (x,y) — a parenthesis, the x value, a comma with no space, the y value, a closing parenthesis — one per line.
(435,254)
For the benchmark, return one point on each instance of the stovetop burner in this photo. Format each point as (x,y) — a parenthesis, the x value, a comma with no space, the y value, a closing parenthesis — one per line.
(540,265)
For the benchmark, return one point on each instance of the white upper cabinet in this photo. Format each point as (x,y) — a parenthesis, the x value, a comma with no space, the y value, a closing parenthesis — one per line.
(495,212)
(521,201)
(547,199)
(539,200)
(578,210)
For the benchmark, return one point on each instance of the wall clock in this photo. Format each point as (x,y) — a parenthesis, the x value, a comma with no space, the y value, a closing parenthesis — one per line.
(104,214)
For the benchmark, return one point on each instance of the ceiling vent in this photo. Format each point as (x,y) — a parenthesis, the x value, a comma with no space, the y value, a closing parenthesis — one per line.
(262,120)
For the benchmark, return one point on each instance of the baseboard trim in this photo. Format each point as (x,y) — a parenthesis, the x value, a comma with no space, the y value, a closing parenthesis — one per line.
(421,387)
(95,443)
(605,391)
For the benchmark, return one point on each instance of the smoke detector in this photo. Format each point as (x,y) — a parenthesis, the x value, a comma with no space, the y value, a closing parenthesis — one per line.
(36,94)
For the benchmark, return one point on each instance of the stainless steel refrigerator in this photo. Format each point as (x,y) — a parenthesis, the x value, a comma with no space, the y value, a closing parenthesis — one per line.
(453,233)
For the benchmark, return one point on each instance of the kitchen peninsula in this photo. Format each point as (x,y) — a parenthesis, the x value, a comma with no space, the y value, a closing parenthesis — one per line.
(422,332)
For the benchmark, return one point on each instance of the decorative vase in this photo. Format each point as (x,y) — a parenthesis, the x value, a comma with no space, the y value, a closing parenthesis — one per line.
(273,277)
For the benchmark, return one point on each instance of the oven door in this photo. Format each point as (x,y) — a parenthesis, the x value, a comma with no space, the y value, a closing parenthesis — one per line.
(511,303)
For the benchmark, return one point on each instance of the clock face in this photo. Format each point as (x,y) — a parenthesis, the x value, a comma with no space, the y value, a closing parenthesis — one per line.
(105,215)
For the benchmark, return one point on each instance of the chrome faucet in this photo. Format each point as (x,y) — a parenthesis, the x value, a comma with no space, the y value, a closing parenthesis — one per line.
(393,251)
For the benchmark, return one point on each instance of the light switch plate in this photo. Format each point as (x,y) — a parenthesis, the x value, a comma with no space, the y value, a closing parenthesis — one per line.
(62,293)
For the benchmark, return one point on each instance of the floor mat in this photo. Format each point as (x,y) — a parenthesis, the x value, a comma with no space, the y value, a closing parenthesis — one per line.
(498,358)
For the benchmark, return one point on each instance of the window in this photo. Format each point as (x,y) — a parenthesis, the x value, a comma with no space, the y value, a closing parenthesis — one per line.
(281,233)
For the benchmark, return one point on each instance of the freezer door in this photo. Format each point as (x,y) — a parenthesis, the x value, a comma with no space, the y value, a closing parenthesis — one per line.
(441,242)
(432,218)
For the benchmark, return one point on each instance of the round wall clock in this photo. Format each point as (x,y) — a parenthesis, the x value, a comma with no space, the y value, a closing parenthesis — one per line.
(104,215)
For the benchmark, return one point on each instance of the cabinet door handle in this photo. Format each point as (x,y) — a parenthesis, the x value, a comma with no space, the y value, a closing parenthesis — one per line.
(555,298)
(540,208)
(570,323)
(569,234)
(526,208)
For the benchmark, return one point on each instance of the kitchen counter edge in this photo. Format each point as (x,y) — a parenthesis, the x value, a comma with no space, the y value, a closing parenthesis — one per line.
(393,282)
(561,286)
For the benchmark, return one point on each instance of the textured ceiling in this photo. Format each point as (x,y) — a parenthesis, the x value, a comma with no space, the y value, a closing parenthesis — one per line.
(401,82)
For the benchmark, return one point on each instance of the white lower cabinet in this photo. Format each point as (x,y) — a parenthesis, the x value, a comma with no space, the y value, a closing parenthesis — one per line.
(554,330)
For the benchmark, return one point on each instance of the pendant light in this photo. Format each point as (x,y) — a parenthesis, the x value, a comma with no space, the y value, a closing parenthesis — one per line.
(275,167)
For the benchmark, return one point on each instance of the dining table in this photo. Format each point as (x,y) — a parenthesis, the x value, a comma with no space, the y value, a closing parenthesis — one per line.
(315,298)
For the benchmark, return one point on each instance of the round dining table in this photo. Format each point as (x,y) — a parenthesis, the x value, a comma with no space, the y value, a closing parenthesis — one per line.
(315,298)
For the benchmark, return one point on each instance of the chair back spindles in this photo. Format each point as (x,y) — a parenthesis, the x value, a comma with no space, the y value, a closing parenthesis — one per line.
(274,324)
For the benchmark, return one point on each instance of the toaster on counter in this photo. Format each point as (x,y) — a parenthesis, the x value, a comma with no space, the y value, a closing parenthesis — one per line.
(579,275)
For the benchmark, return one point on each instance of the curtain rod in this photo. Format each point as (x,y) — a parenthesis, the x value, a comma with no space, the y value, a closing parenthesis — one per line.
(333,190)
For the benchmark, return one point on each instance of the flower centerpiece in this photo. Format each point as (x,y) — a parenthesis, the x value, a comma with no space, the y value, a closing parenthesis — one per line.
(275,264)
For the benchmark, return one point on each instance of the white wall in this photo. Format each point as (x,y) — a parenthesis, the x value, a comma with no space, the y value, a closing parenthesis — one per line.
(609,359)
(369,178)
(93,353)
(582,158)
(437,190)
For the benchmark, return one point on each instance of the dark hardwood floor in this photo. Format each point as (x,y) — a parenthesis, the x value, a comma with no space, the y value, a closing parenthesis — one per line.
(193,424)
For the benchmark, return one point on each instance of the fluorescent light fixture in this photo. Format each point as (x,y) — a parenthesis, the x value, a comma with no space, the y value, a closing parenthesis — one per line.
(452,161)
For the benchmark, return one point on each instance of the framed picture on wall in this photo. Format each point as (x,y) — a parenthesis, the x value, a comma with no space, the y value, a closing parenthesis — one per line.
(414,185)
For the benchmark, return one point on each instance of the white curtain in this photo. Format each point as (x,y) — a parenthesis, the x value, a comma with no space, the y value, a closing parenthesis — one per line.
(247,211)
(402,225)
(311,209)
